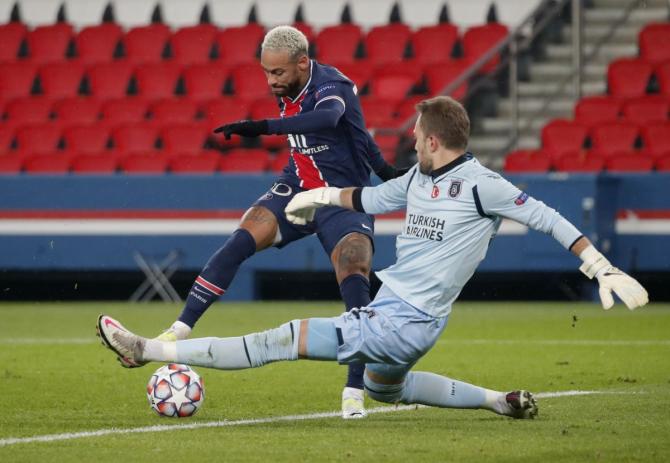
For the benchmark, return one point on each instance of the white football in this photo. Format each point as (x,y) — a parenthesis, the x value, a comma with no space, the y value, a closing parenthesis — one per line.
(176,391)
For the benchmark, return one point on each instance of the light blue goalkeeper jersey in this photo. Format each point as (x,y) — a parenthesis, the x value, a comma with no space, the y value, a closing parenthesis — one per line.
(451,216)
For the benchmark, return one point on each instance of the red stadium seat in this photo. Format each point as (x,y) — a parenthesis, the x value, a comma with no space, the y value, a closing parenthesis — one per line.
(38,138)
(438,76)
(146,44)
(90,139)
(157,80)
(184,138)
(49,43)
(434,44)
(378,112)
(47,164)
(245,161)
(561,136)
(191,45)
(61,80)
(239,45)
(205,162)
(360,73)
(478,40)
(225,109)
(580,162)
(393,84)
(628,77)
(249,82)
(630,162)
(10,164)
(280,161)
(96,164)
(173,111)
(28,110)
(124,111)
(656,139)
(527,161)
(663,163)
(663,77)
(646,110)
(387,44)
(609,138)
(143,164)
(97,44)
(595,110)
(16,79)
(11,36)
(109,80)
(654,39)
(77,111)
(135,138)
(205,81)
(407,107)
(338,44)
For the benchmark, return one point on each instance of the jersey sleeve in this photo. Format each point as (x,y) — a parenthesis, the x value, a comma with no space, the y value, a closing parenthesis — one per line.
(495,196)
(328,110)
(388,196)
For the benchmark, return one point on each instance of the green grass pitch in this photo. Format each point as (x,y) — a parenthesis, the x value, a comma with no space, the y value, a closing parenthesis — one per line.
(56,378)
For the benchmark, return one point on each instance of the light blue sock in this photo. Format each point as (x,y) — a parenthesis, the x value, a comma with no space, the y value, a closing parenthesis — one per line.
(439,391)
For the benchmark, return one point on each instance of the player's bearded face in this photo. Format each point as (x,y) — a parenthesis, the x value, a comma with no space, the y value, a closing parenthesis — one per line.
(286,76)
(422,151)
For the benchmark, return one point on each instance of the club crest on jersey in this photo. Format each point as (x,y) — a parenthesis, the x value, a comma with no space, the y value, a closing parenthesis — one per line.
(455,188)
(521,199)
(436,192)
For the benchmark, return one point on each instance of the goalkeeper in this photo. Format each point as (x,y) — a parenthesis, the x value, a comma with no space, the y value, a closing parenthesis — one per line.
(454,206)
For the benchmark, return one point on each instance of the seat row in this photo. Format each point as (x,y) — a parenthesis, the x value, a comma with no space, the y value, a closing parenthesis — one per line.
(206,81)
(239,45)
(585,161)
(151,162)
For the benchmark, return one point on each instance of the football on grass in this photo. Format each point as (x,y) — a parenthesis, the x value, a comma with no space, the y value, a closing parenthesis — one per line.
(175,390)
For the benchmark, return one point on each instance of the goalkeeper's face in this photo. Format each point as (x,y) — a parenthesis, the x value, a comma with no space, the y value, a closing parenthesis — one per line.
(286,76)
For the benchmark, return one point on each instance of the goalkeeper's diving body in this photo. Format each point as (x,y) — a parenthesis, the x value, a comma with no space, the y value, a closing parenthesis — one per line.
(453,206)
(329,146)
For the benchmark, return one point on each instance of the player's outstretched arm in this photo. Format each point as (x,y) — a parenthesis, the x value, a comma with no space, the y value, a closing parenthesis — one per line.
(610,279)
(302,207)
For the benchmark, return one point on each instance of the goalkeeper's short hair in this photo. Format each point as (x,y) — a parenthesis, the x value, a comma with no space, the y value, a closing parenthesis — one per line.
(286,38)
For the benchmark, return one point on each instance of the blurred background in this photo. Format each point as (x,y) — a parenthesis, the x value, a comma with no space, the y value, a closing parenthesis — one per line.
(112,185)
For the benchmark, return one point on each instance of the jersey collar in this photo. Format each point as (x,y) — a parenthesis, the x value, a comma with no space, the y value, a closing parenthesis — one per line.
(447,167)
(311,73)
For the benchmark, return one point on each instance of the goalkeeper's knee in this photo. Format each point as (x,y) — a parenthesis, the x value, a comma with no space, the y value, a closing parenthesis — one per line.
(388,393)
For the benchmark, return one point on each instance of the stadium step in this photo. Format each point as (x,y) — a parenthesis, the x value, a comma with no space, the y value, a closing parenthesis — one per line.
(552,71)
(638,16)
(541,89)
(528,106)
(625,34)
(606,53)
(497,125)
(624,3)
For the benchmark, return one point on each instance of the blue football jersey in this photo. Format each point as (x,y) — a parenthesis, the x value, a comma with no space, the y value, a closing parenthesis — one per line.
(340,156)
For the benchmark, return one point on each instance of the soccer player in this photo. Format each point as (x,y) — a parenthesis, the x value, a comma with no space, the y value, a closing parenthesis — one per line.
(330,146)
(454,206)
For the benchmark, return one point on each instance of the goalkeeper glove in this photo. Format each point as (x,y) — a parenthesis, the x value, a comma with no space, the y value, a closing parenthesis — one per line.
(302,206)
(611,279)
(246,128)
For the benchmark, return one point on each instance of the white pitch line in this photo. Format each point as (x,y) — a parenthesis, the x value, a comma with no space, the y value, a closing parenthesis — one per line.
(561,342)
(42,341)
(276,419)
(544,342)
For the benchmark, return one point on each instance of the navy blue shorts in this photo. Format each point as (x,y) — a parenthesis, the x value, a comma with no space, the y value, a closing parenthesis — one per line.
(330,224)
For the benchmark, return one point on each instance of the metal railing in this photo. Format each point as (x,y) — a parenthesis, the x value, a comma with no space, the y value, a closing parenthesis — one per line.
(518,42)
